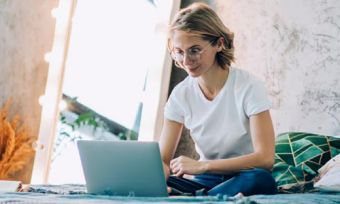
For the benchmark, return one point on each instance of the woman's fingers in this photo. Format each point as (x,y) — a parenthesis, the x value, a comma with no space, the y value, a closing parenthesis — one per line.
(179,173)
(169,189)
(174,165)
(176,169)
(177,166)
(173,162)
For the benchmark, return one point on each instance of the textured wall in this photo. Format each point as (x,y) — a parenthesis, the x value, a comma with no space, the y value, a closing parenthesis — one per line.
(294,45)
(26,34)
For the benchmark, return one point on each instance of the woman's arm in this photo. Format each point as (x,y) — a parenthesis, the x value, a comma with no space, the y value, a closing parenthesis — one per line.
(263,140)
(169,139)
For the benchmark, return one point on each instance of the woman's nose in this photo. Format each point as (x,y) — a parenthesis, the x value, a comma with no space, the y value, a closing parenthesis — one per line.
(187,60)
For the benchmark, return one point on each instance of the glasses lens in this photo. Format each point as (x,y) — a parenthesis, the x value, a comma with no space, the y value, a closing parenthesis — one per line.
(192,54)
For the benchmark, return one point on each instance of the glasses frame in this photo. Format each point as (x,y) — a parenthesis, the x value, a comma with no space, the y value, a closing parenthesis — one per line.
(191,56)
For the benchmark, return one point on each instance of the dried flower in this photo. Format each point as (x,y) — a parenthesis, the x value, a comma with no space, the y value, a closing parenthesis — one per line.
(16,144)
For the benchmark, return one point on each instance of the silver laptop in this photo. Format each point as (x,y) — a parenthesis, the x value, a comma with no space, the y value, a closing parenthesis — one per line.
(122,168)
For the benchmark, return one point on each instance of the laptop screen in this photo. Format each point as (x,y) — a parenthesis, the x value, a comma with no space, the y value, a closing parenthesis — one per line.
(123,168)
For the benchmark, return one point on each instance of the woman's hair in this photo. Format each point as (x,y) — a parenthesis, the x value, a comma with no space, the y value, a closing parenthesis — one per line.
(199,18)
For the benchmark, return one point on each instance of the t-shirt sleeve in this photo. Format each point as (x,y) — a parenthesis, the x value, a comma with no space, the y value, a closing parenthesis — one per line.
(173,109)
(256,99)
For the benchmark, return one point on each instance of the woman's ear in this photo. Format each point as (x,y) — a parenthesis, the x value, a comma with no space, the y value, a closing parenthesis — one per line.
(220,44)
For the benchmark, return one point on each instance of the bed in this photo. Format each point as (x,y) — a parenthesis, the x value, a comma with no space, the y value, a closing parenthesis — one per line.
(77,194)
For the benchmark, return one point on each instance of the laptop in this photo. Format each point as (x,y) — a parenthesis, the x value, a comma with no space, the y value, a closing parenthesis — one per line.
(122,168)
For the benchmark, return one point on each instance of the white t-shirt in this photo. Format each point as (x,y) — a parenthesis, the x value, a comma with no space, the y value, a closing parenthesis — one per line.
(219,128)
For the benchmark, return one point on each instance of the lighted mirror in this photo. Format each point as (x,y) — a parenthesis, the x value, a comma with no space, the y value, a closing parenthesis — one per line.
(113,80)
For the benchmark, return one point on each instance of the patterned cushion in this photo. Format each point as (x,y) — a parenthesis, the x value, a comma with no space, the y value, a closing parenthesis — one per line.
(298,156)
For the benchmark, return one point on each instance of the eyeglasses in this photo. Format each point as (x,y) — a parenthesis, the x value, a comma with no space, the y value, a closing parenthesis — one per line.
(193,53)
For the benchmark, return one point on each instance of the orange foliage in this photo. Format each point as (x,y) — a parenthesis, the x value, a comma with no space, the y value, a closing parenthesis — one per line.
(16,145)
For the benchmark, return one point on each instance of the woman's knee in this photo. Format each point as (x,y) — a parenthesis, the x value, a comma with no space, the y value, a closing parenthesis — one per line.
(262,181)
(257,173)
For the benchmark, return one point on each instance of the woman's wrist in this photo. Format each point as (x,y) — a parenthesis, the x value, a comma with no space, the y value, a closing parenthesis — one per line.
(205,166)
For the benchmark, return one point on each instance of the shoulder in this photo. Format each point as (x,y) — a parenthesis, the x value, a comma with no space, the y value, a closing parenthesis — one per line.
(251,91)
(243,75)
(242,79)
(184,87)
(175,107)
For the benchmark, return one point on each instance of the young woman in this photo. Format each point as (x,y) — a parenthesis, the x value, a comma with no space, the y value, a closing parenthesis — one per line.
(225,108)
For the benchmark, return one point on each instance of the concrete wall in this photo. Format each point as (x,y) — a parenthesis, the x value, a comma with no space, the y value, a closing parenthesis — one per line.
(26,34)
(294,45)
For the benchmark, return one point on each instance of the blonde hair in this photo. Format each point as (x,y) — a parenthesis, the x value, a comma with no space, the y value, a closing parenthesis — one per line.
(199,18)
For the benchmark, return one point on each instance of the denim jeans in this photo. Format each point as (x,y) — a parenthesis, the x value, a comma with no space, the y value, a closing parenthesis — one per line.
(248,182)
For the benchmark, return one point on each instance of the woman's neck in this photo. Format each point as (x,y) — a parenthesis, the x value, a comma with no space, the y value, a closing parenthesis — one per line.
(213,81)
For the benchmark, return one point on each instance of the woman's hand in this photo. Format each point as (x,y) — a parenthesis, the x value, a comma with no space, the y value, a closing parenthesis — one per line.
(185,165)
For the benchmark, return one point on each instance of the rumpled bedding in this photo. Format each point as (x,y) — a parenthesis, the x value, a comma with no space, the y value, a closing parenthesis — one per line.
(70,194)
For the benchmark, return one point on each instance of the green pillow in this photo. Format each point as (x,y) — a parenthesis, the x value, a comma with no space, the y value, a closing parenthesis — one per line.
(298,156)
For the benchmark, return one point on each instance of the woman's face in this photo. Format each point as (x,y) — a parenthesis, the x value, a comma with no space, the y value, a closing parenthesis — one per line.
(195,55)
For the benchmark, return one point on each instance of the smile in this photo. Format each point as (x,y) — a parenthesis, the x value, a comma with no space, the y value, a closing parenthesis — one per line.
(192,68)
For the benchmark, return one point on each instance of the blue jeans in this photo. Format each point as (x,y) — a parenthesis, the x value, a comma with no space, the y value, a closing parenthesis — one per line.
(248,182)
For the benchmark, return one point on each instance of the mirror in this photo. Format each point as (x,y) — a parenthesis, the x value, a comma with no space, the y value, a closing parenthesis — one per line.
(110,74)
(104,79)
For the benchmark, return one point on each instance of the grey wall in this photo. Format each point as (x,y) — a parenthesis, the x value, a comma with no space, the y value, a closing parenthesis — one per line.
(26,34)
(294,45)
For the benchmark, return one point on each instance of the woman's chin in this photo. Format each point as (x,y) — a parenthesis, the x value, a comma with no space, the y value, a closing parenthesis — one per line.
(194,72)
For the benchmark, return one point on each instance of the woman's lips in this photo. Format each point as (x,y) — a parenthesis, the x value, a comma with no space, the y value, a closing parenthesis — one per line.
(192,68)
